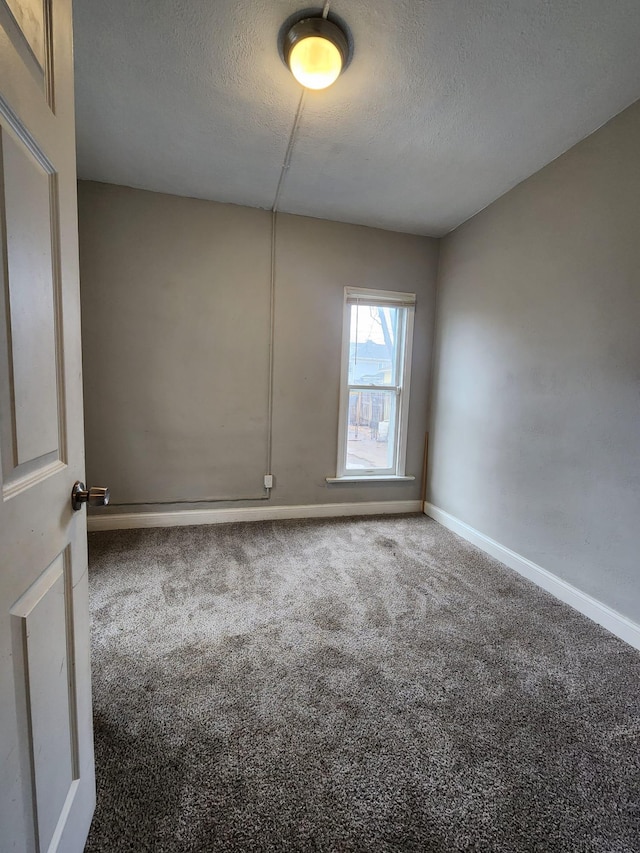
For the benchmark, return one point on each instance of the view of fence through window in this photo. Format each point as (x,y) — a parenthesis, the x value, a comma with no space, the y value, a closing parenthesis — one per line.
(373,361)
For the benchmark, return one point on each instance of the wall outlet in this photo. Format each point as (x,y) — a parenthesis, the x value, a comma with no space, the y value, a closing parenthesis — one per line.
(268,481)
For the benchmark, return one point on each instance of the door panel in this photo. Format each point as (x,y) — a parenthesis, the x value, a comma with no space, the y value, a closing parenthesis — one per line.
(31,321)
(43,666)
(27,24)
(29,15)
(47,785)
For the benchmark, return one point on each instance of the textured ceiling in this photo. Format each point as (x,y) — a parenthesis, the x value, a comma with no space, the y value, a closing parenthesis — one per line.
(446,105)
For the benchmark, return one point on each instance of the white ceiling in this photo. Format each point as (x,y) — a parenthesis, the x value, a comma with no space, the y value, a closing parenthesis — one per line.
(446,105)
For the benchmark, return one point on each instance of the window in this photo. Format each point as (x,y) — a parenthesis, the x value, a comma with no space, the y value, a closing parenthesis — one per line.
(374,388)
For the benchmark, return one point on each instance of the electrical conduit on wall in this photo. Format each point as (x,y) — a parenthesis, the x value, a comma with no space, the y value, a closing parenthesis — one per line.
(272,302)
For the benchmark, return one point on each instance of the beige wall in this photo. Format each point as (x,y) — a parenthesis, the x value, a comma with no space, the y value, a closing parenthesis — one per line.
(536,407)
(175,299)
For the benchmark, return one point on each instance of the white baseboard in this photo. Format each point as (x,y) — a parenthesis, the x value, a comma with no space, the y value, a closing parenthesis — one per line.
(610,619)
(187,517)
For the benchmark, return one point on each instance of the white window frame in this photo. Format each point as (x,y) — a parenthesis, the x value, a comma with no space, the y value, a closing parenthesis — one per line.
(380,298)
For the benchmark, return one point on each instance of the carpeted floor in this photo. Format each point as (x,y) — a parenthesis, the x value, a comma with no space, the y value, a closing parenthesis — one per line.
(351,685)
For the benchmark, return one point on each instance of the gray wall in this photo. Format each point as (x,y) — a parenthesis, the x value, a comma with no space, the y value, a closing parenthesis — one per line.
(175,302)
(536,407)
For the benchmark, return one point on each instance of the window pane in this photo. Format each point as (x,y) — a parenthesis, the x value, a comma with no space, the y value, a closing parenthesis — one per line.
(373,343)
(372,425)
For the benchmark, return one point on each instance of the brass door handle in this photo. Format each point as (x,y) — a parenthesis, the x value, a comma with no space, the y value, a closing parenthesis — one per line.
(95,496)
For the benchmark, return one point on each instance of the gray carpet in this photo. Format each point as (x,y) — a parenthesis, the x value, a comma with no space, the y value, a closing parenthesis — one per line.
(351,685)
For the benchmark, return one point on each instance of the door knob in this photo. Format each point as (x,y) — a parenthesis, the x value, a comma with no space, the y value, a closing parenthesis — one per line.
(95,496)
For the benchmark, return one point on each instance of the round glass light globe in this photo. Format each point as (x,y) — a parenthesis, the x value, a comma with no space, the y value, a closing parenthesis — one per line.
(315,62)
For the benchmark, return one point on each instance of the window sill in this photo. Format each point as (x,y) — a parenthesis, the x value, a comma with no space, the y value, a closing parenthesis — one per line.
(389,478)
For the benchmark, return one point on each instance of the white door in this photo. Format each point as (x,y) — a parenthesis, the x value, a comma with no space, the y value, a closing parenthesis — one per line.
(47,786)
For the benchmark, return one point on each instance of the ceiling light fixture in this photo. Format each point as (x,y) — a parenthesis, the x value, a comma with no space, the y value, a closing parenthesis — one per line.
(316,51)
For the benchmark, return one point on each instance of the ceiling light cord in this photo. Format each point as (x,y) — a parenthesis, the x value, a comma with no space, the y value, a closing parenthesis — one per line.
(289,152)
(272,277)
(325,11)
(272,325)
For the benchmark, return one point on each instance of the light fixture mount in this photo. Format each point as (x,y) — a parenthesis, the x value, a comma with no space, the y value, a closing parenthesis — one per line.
(316,50)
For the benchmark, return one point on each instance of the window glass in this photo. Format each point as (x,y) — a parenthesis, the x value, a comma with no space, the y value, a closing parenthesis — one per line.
(372,426)
(373,345)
